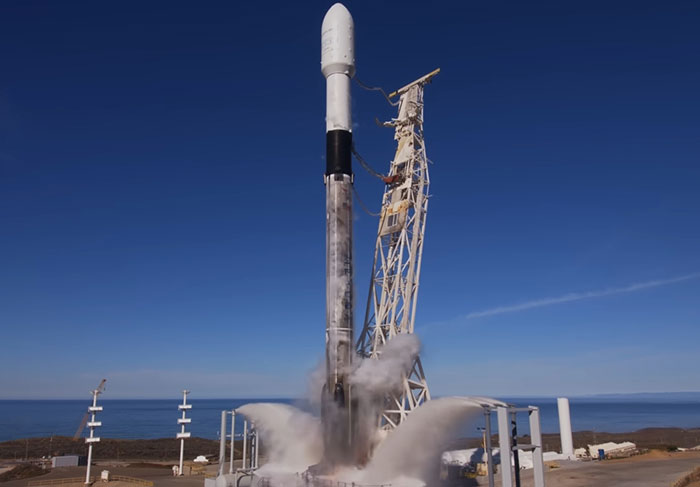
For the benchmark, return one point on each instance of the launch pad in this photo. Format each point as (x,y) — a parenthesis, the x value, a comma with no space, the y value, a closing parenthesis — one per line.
(394,283)
(378,424)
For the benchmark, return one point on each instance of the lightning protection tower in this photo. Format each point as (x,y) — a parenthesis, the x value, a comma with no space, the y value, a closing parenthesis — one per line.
(391,305)
(183,421)
(92,424)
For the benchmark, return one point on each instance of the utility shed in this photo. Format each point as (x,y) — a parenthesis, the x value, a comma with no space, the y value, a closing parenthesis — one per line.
(69,461)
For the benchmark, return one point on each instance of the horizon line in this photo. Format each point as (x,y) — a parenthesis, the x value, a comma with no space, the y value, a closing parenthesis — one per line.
(581,395)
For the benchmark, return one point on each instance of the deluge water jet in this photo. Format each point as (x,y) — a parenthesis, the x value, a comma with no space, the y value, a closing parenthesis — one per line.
(409,456)
(292,437)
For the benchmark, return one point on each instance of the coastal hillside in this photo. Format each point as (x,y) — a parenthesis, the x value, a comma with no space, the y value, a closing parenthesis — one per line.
(155,449)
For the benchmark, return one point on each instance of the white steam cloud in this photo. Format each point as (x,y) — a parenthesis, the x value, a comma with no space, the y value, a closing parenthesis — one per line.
(385,374)
(412,451)
(407,457)
(291,438)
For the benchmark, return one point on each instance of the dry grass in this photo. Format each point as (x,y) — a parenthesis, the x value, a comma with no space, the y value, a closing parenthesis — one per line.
(23,471)
(688,480)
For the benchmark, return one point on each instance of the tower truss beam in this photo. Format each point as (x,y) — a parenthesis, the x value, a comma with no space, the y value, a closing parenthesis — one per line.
(393,293)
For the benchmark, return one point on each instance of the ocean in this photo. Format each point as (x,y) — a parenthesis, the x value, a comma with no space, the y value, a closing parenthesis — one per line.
(143,419)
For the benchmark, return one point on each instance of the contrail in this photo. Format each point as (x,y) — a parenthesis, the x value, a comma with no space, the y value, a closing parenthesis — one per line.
(538,303)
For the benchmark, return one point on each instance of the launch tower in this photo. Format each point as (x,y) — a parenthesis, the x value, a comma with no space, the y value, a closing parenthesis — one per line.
(393,293)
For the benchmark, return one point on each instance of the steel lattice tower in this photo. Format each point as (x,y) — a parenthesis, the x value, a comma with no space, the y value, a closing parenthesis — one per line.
(393,293)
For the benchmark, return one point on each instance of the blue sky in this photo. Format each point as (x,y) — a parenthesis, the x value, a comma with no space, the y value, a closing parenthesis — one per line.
(162,204)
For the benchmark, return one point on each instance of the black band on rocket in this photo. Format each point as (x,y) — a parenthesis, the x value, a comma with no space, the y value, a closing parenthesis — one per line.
(339,152)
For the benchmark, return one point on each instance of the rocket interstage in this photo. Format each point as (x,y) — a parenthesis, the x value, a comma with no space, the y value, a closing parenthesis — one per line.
(338,67)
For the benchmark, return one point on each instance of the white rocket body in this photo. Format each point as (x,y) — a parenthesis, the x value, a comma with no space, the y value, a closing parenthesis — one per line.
(338,67)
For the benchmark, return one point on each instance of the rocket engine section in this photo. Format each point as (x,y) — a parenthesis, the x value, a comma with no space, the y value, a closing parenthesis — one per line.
(338,67)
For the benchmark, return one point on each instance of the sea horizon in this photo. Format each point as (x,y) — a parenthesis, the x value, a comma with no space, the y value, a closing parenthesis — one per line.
(157,418)
(693,395)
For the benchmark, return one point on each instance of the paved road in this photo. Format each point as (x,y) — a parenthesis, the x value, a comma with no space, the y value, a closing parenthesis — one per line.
(659,470)
(649,472)
(159,476)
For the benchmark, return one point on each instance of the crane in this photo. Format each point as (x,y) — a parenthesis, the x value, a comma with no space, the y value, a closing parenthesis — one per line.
(83,422)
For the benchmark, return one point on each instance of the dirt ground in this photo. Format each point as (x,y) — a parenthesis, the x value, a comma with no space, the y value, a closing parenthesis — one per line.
(144,450)
(648,438)
(654,469)
(168,449)
(159,476)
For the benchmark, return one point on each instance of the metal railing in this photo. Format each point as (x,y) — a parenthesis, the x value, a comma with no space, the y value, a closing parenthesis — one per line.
(71,480)
(81,480)
(131,480)
(310,481)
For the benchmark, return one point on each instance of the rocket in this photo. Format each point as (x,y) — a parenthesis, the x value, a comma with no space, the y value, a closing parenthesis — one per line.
(338,67)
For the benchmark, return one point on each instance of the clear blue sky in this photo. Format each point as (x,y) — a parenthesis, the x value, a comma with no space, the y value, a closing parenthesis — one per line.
(162,205)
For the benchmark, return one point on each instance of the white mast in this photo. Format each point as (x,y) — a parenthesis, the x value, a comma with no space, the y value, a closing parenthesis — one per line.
(391,306)
(233,439)
(92,424)
(184,407)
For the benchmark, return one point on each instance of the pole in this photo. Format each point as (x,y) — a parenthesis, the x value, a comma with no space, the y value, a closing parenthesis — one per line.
(487,445)
(504,445)
(257,447)
(182,456)
(90,440)
(182,435)
(222,443)
(516,451)
(536,435)
(253,445)
(89,461)
(245,443)
(233,436)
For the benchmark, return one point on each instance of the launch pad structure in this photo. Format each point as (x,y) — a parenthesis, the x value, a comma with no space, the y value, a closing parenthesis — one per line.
(393,289)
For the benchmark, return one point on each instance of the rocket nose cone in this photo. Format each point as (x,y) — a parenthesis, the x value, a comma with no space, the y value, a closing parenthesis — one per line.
(337,42)
(337,13)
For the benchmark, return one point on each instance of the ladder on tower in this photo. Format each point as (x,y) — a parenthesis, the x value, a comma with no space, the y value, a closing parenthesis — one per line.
(393,292)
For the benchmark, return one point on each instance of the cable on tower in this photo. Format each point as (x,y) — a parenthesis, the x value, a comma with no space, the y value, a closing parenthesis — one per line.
(362,204)
(366,166)
(376,88)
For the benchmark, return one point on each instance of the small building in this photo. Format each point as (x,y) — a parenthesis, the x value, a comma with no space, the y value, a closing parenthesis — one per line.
(613,450)
(69,461)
